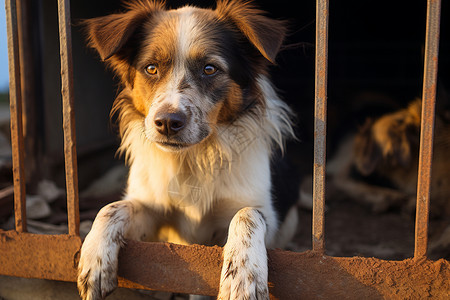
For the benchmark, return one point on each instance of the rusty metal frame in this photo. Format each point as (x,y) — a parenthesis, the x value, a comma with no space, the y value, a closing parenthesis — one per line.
(320,126)
(427,127)
(196,269)
(16,116)
(70,151)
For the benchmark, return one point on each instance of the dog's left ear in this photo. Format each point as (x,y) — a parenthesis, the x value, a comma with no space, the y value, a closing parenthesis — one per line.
(264,33)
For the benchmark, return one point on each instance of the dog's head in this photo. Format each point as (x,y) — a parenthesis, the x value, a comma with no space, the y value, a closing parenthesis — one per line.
(389,142)
(188,69)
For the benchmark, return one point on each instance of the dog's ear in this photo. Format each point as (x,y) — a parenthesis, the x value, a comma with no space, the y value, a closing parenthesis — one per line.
(367,153)
(392,140)
(110,33)
(264,33)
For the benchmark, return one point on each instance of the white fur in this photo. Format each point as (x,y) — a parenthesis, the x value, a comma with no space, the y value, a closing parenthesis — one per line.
(187,29)
(244,271)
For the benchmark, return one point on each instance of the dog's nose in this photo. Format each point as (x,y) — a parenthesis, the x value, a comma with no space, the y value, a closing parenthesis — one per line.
(170,123)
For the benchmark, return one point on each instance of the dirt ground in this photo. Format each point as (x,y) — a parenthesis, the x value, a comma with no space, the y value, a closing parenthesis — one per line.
(352,229)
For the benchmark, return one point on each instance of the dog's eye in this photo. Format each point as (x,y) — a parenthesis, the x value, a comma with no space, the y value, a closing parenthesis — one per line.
(209,70)
(151,69)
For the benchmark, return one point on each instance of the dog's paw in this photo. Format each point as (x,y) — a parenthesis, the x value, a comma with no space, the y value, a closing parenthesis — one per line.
(96,279)
(243,283)
(243,278)
(244,270)
(97,271)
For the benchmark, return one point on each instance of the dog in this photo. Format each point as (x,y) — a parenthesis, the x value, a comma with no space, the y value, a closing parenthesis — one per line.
(378,166)
(382,167)
(200,123)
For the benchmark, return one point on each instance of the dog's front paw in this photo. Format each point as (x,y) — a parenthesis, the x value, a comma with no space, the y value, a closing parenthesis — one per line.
(97,272)
(96,282)
(243,278)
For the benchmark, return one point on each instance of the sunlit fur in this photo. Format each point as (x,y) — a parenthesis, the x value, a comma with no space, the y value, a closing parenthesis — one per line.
(187,187)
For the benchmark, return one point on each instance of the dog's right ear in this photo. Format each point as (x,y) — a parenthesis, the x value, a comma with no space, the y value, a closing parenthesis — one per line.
(367,153)
(109,34)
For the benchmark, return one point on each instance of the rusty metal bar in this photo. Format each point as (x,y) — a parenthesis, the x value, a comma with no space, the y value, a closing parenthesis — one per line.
(70,151)
(15,100)
(427,127)
(28,255)
(320,125)
(196,269)
(29,74)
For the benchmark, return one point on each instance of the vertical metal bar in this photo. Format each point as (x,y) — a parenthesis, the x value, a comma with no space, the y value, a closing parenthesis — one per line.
(320,122)
(70,152)
(427,127)
(29,74)
(15,99)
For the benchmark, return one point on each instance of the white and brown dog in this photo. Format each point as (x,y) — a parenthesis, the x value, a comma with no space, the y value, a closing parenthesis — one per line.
(199,122)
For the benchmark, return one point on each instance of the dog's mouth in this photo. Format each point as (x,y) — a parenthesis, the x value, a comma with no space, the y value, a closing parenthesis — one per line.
(172,146)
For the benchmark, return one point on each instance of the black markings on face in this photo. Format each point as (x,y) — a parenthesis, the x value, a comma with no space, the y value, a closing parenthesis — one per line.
(181,49)
(184,85)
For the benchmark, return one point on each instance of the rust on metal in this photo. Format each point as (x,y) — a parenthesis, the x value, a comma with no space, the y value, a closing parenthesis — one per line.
(53,257)
(196,269)
(70,151)
(15,100)
(29,71)
(309,275)
(427,127)
(320,122)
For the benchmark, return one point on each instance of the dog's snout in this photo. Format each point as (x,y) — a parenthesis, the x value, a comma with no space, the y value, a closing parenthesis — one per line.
(170,123)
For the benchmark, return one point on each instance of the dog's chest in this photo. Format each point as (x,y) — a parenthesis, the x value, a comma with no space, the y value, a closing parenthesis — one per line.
(196,206)
(177,227)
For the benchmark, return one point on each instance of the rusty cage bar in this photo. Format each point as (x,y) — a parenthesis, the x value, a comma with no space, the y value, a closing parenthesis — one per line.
(196,269)
(320,125)
(427,127)
(16,117)
(70,151)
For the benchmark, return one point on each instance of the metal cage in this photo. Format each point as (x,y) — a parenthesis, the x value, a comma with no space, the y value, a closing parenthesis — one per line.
(196,269)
